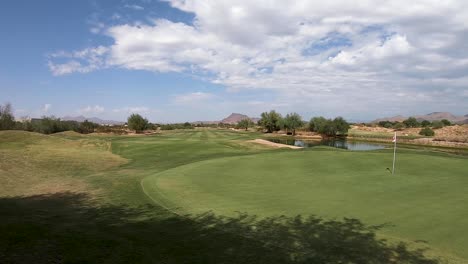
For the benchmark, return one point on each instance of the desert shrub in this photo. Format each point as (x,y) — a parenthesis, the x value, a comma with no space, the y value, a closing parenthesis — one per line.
(437,124)
(427,131)
(398,126)
(137,122)
(411,122)
(425,123)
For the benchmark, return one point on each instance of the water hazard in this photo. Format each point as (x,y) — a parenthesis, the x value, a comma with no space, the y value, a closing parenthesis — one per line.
(336,143)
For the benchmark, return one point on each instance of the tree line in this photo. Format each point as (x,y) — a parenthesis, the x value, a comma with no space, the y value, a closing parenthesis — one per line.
(412,122)
(273,121)
(44,125)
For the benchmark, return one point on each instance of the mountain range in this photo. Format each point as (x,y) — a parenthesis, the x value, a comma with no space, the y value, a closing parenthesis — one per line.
(429,117)
(232,119)
(92,119)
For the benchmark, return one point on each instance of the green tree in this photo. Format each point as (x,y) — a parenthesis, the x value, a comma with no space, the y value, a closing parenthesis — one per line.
(7,120)
(292,121)
(425,123)
(446,122)
(317,123)
(270,121)
(386,124)
(245,123)
(137,122)
(411,122)
(341,125)
(437,124)
(87,127)
(427,131)
(398,126)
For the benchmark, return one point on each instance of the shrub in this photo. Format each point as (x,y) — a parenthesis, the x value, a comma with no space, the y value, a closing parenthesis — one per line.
(427,131)
(411,122)
(425,123)
(137,122)
(437,124)
(398,126)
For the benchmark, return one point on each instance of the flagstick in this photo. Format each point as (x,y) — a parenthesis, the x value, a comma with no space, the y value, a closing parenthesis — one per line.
(394,154)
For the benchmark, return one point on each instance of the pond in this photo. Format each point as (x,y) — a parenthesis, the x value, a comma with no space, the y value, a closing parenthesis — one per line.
(336,143)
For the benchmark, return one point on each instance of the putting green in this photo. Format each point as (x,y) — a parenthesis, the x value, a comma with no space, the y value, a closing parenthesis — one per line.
(425,200)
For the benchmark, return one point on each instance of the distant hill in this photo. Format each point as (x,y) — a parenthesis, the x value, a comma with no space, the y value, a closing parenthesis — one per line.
(92,119)
(430,117)
(234,118)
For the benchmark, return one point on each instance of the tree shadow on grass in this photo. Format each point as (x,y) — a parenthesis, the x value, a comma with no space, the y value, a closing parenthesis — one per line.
(67,228)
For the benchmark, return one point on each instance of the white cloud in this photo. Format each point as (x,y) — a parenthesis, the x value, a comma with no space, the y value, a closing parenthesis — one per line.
(82,61)
(353,50)
(134,7)
(45,108)
(133,110)
(190,98)
(97,109)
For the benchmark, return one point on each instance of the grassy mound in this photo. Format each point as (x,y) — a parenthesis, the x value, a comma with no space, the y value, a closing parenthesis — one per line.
(32,163)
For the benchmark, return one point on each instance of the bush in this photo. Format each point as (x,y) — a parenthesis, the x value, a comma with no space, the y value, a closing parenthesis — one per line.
(137,122)
(425,123)
(411,122)
(398,126)
(437,124)
(7,120)
(328,127)
(427,132)
(446,122)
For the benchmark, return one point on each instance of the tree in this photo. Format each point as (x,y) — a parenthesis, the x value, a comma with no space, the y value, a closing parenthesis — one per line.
(427,131)
(425,123)
(245,123)
(446,122)
(437,124)
(411,122)
(386,124)
(87,127)
(341,125)
(292,121)
(270,121)
(328,127)
(317,123)
(137,122)
(398,126)
(7,120)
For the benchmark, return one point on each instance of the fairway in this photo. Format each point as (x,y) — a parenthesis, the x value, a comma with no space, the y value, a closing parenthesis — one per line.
(121,199)
(425,200)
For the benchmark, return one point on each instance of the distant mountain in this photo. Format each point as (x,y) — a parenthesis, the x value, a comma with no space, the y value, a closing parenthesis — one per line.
(429,117)
(397,118)
(234,118)
(92,119)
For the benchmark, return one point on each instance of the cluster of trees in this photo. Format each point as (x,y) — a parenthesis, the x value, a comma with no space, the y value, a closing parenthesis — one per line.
(273,121)
(329,127)
(185,125)
(45,125)
(413,122)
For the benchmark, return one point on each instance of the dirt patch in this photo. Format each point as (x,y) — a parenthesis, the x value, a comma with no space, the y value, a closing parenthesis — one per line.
(272,144)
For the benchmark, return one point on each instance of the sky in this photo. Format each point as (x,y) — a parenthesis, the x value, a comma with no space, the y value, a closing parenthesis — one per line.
(190,60)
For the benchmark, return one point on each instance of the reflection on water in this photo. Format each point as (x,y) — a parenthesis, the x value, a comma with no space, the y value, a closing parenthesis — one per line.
(336,143)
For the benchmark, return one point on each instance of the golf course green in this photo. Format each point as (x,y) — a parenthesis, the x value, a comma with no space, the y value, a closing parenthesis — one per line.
(425,200)
(175,197)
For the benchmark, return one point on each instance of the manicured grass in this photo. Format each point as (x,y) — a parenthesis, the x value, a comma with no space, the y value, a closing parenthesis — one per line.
(70,198)
(425,200)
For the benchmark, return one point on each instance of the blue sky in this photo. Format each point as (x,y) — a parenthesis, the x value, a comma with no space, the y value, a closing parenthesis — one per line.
(183,60)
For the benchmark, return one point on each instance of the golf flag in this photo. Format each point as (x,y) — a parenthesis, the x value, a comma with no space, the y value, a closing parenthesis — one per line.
(394,153)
